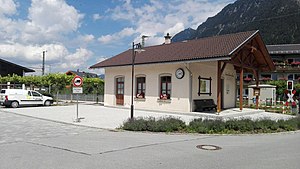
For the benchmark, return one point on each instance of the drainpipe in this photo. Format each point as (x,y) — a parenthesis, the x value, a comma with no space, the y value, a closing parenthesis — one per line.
(190,86)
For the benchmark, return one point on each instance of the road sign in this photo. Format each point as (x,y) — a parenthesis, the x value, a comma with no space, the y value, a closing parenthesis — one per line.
(77,81)
(77,90)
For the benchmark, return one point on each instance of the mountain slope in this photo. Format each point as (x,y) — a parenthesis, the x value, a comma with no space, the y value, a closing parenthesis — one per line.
(277,20)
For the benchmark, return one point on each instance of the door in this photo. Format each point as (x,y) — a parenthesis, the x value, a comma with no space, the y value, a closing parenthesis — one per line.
(37,98)
(120,91)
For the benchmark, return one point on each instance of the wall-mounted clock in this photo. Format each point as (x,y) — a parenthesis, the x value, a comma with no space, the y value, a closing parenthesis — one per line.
(179,73)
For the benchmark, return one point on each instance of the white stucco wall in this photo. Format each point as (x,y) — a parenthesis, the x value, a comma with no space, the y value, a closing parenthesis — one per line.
(209,69)
(180,87)
(180,97)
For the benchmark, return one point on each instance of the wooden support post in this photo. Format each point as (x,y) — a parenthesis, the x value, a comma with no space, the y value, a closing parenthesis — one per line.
(257,84)
(241,88)
(219,89)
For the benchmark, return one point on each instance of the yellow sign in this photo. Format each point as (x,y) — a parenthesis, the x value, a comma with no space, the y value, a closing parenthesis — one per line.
(256,91)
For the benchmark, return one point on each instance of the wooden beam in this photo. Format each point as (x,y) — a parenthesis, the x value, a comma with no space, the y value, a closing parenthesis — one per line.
(241,88)
(223,67)
(219,89)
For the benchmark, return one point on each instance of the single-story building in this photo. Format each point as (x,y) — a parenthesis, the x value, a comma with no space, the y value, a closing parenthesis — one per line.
(9,68)
(267,93)
(171,76)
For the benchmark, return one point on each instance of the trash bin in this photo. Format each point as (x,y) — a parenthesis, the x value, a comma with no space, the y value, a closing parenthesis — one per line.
(268,101)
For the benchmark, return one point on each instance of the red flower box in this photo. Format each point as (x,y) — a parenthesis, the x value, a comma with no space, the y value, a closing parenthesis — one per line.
(248,79)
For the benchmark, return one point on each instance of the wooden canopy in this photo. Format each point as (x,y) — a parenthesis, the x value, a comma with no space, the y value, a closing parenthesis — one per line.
(250,56)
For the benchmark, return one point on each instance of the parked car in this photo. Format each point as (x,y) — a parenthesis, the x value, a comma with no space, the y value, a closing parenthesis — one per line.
(19,97)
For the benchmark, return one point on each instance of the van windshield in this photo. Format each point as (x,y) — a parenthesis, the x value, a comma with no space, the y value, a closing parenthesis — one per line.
(2,91)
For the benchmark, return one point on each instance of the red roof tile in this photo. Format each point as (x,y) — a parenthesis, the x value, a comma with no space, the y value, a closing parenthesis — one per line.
(216,47)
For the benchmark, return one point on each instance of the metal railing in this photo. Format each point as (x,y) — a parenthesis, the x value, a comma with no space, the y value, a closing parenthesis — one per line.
(81,97)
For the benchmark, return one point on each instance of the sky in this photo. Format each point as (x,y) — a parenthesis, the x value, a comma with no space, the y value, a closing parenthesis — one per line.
(79,33)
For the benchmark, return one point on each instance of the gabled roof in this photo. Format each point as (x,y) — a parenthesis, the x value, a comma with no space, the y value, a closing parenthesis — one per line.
(211,48)
(284,49)
(13,65)
(82,74)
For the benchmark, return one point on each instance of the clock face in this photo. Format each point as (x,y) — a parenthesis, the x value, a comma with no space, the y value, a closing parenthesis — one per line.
(179,73)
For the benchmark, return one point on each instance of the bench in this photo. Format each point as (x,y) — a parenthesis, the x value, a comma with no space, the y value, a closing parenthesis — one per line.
(204,104)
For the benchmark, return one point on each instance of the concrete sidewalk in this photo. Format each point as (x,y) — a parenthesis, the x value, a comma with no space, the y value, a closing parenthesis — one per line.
(102,117)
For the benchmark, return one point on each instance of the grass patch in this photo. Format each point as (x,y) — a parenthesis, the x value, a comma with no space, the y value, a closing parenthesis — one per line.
(205,126)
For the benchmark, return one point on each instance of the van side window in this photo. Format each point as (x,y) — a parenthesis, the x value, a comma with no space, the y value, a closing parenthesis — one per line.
(36,94)
(29,93)
(3,91)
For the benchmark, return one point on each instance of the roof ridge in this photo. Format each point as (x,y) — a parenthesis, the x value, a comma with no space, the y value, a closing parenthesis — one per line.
(203,38)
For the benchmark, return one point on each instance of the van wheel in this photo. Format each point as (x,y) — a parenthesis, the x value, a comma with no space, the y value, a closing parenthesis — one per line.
(47,103)
(14,104)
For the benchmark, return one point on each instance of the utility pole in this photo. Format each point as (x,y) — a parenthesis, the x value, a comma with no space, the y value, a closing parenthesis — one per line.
(43,68)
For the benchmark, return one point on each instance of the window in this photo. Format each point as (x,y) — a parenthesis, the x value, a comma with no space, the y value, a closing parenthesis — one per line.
(266,77)
(120,85)
(204,86)
(140,87)
(165,87)
(36,94)
(290,77)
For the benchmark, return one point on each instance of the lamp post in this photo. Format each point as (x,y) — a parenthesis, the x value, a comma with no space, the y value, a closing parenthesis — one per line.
(43,65)
(135,48)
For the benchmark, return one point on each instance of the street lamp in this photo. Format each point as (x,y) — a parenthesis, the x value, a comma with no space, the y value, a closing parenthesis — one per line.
(43,65)
(136,48)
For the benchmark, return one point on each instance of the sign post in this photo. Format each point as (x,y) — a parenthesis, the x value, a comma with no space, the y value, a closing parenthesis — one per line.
(77,89)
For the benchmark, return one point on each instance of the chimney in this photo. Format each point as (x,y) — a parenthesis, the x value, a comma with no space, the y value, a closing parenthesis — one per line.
(168,39)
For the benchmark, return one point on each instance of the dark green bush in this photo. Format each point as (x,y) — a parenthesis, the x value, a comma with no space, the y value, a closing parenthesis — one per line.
(136,124)
(167,124)
(243,125)
(265,125)
(205,126)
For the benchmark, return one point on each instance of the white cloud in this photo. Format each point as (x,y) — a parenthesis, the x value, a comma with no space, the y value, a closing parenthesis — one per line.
(97,17)
(52,19)
(105,39)
(86,38)
(175,29)
(77,59)
(46,28)
(48,21)
(8,7)
(160,17)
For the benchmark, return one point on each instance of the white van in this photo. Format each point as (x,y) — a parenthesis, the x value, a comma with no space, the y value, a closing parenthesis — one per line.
(19,97)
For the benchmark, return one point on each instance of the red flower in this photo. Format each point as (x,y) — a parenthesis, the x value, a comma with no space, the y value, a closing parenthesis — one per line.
(247,79)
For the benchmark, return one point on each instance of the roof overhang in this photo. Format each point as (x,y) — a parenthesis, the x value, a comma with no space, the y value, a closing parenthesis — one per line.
(218,48)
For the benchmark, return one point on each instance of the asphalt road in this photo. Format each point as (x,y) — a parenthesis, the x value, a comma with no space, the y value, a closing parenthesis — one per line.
(28,143)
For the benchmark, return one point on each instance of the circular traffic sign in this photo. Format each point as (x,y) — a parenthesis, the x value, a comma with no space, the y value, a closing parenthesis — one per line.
(77,81)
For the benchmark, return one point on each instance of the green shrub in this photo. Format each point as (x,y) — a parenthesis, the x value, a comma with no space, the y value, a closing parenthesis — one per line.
(135,124)
(206,126)
(265,125)
(167,124)
(240,126)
